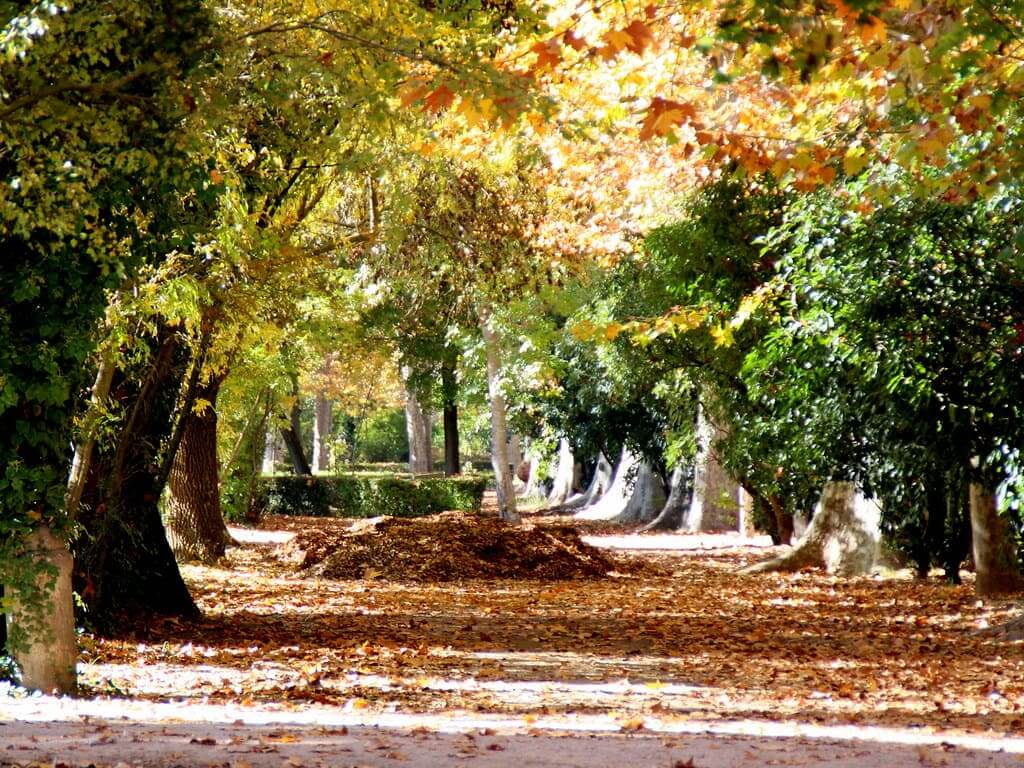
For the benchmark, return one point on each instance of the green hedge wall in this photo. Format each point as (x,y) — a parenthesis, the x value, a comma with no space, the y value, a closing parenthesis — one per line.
(366,495)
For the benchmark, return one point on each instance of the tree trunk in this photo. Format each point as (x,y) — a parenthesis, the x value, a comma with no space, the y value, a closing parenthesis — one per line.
(292,436)
(417,424)
(44,642)
(843,537)
(647,498)
(270,452)
(322,425)
(713,505)
(124,568)
(193,520)
(564,474)
(599,483)
(499,430)
(997,571)
(537,475)
(673,513)
(449,389)
(613,502)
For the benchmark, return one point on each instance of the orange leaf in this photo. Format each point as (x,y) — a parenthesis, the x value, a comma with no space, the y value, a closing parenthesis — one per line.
(663,115)
(548,53)
(872,29)
(439,99)
(412,93)
(574,41)
(641,37)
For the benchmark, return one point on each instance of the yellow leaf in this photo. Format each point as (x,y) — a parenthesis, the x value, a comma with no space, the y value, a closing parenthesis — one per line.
(722,334)
(854,161)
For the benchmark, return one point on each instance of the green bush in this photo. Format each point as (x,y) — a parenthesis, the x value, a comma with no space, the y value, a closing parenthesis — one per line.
(382,436)
(366,495)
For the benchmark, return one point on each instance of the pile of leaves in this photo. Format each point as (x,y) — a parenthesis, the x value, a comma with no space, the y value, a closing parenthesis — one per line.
(446,547)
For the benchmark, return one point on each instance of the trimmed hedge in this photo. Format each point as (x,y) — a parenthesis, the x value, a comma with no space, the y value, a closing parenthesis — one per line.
(366,495)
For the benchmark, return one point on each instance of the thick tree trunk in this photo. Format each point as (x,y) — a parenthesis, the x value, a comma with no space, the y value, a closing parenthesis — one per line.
(417,424)
(647,498)
(997,571)
(499,430)
(713,505)
(450,415)
(193,520)
(843,537)
(322,425)
(613,502)
(47,652)
(599,483)
(673,513)
(564,474)
(124,567)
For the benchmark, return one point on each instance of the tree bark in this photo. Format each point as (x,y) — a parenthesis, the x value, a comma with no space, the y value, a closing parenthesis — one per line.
(673,513)
(47,653)
(193,520)
(450,415)
(292,436)
(564,474)
(613,502)
(417,424)
(499,430)
(713,504)
(322,425)
(997,571)
(647,498)
(599,483)
(843,537)
(124,568)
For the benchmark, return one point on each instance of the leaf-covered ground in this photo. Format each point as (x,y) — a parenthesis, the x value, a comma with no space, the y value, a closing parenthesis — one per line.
(666,636)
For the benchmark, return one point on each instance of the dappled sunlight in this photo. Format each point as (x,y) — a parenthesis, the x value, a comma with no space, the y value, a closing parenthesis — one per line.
(689,639)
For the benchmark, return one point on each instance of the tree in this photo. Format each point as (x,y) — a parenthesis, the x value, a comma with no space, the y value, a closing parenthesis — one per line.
(91,96)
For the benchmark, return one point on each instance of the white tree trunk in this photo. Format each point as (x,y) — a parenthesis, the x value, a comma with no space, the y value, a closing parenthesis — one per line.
(417,424)
(647,498)
(600,483)
(537,474)
(499,429)
(843,537)
(714,503)
(564,474)
(322,424)
(997,571)
(49,652)
(613,502)
(673,513)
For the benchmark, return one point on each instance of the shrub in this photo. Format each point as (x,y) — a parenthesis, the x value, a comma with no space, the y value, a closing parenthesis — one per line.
(382,436)
(366,495)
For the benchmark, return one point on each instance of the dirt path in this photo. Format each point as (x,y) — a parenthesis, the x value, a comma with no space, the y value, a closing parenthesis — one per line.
(114,734)
(671,657)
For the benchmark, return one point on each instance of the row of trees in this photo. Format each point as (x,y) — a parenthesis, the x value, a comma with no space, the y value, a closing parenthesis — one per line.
(206,205)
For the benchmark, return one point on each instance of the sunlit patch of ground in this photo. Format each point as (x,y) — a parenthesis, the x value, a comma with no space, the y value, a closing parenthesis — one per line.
(690,640)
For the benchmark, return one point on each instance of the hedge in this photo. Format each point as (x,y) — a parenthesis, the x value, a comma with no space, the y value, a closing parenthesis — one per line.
(366,495)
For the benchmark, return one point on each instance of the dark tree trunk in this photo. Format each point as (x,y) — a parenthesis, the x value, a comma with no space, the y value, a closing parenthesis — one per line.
(783,520)
(124,567)
(194,523)
(451,419)
(292,437)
